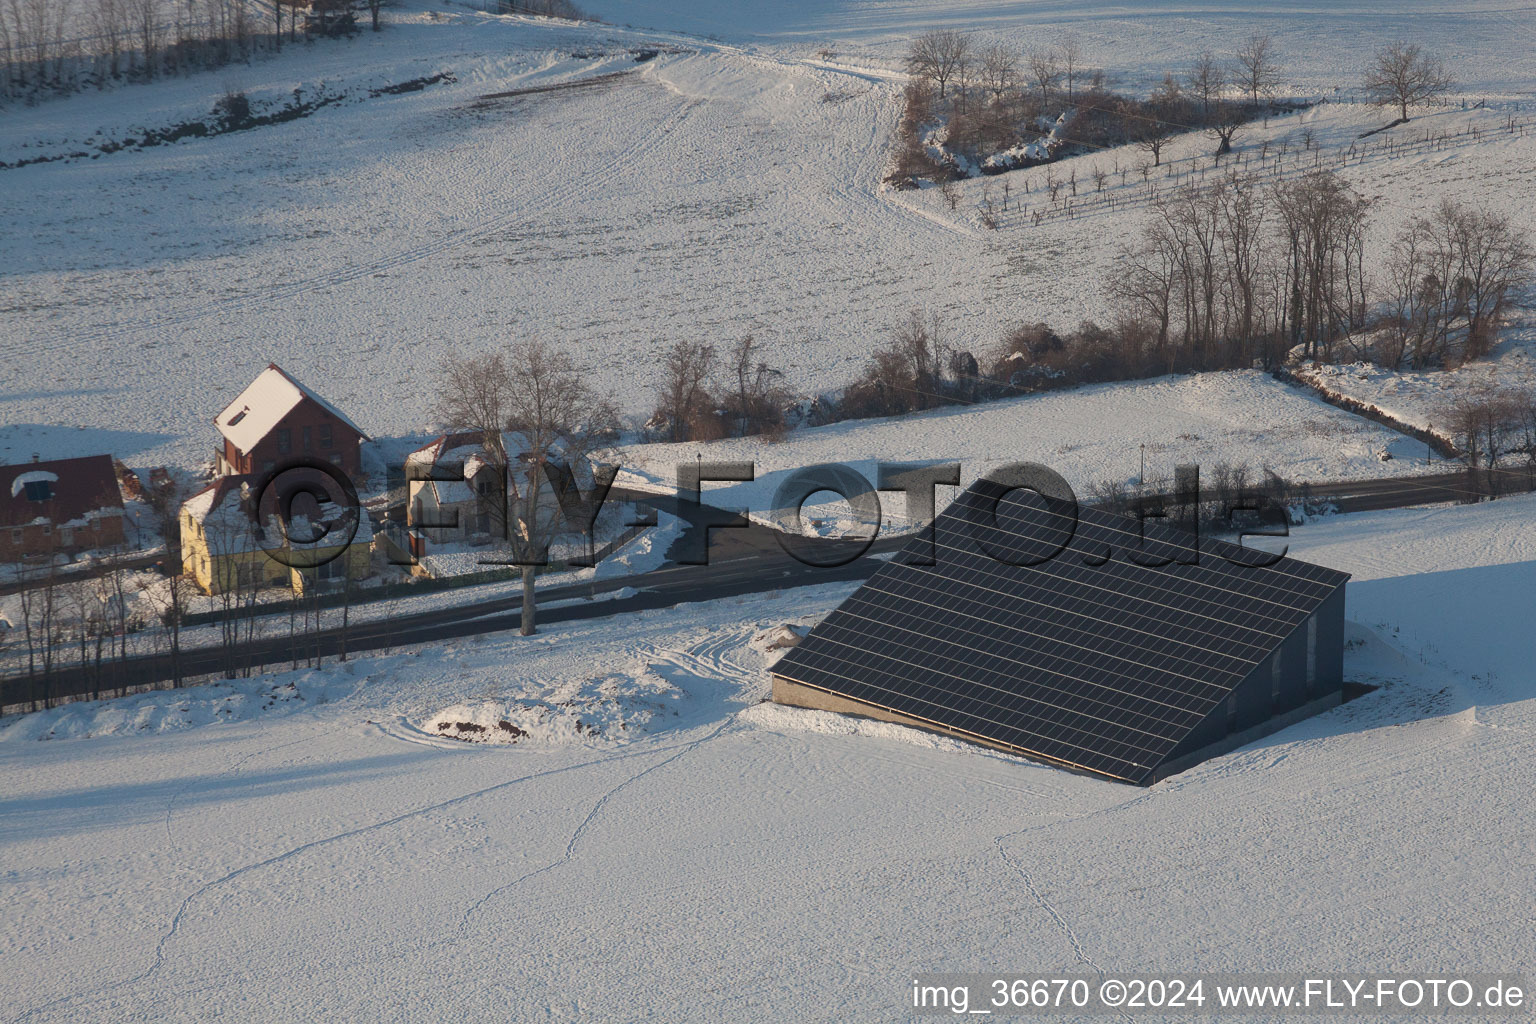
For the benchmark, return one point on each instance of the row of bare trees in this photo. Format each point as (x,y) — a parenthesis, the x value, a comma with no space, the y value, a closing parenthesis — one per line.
(702,396)
(53,46)
(1234,270)
(1494,427)
(1451,276)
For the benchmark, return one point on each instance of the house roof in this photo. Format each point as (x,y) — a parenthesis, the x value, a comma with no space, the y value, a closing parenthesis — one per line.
(263,404)
(75,487)
(459,447)
(1087,657)
(202,504)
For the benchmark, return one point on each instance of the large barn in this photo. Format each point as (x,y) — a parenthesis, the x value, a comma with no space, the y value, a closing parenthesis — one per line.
(1121,651)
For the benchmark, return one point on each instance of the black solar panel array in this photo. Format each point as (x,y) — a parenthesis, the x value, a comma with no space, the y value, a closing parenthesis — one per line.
(1097,662)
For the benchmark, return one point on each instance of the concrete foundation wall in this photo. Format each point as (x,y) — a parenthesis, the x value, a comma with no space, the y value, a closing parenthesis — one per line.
(796,695)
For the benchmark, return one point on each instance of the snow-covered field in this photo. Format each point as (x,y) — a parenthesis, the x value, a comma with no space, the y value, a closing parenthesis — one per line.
(320,851)
(1089,435)
(730,185)
(605,822)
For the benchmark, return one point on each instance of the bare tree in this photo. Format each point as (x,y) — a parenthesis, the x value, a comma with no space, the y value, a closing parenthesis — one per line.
(1402,74)
(108,20)
(1206,79)
(170,598)
(756,399)
(684,406)
(1152,138)
(939,56)
(999,67)
(475,393)
(558,419)
(1071,51)
(1225,124)
(1258,68)
(145,18)
(1146,276)
(1044,70)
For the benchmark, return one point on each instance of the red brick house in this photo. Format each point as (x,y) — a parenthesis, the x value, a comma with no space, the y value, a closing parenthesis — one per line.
(276,419)
(59,507)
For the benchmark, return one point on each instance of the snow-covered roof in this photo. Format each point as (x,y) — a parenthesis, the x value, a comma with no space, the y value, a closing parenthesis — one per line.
(76,487)
(263,404)
(35,476)
(451,450)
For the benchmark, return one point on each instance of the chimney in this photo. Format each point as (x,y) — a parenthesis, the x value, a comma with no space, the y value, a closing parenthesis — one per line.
(36,457)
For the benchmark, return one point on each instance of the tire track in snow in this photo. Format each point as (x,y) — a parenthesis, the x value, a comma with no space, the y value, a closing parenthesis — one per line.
(586,823)
(234,769)
(559,196)
(1028,879)
(160,955)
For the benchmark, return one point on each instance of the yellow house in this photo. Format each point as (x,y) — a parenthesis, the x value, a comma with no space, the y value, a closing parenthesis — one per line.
(221,551)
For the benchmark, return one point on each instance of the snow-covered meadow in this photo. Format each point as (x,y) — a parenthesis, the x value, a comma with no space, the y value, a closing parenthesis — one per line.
(329,853)
(729,185)
(645,839)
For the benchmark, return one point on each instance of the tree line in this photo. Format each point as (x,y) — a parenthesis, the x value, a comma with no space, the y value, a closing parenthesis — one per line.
(1234,272)
(989,100)
(49,46)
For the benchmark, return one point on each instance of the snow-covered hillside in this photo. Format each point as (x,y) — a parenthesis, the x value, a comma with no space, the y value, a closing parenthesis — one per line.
(328,853)
(729,185)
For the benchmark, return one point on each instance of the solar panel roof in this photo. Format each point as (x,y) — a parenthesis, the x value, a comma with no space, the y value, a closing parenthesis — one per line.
(1088,657)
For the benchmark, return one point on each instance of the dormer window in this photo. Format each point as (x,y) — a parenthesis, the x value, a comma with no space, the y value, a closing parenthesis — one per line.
(237,417)
(38,490)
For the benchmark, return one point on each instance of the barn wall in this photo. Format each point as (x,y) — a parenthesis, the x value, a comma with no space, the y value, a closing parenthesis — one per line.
(1259,708)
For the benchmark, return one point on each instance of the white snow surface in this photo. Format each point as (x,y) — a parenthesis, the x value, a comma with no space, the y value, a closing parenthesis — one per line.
(331,856)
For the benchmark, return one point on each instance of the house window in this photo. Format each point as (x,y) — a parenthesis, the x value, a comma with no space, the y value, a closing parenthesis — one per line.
(47,530)
(284,440)
(325,435)
(1231,712)
(38,490)
(66,536)
(304,438)
(16,535)
(336,458)
(268,466)
(1274,675)
(96,524)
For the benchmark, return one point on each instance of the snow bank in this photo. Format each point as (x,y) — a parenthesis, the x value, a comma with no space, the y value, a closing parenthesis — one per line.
(605,710)
(160,711)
